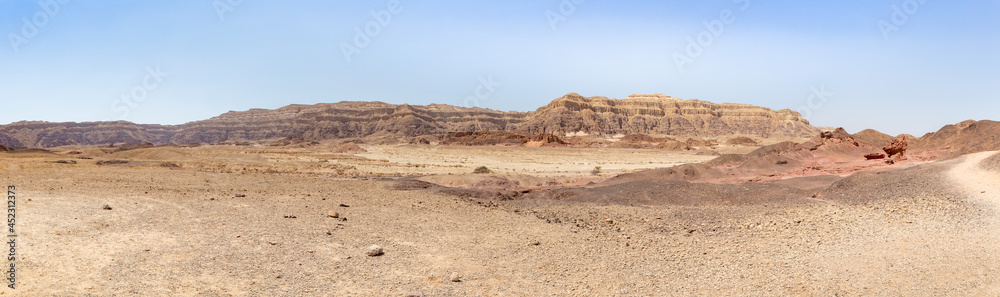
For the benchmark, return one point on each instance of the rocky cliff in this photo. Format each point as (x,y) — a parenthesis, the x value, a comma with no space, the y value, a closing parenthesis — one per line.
(637,114)
(45,134)
(344,120)
(661,114)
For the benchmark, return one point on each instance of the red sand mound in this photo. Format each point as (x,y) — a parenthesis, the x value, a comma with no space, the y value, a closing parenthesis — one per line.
(830,153)
(349,148)
(872,137)
(744,141)
(512,138)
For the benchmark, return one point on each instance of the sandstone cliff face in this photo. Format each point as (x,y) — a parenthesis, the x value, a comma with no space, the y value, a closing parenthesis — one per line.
(344,120)
(661,114)
(645,114)
(45,134)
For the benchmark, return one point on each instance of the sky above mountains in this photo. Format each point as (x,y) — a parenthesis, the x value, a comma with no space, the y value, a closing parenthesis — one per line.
(895,66)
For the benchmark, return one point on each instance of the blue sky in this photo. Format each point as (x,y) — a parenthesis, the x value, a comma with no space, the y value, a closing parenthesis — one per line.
(171,62)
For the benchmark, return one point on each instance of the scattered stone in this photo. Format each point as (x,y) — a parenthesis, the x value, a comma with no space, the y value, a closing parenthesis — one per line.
(290,217)
(241,195)
(874,156)
(414,294)
(333,214)
(344,205)
(534,243)
(112,162)
(106,207)
(374,250)
(64,162)
(609,221)
(169,165)
(455,277)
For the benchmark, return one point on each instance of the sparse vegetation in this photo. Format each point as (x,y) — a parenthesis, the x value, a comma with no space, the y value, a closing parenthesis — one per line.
(482,170)
(596,171)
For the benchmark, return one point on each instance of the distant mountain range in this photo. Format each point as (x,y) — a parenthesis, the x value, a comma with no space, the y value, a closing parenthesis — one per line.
(646,114)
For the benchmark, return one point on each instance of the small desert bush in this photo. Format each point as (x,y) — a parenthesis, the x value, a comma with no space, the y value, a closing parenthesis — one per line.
(596,171)
(482,170)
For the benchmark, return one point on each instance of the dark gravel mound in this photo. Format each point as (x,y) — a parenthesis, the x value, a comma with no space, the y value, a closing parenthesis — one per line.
(991,163)
(678,193)
(927,180)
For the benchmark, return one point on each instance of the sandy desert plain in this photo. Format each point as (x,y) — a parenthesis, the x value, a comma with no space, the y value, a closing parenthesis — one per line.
(223,220)
(289,202)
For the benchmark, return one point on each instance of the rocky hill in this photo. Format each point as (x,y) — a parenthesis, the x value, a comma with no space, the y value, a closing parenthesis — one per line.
(962,138)
(344,120)
(44,134)
(572,113)
(661,114)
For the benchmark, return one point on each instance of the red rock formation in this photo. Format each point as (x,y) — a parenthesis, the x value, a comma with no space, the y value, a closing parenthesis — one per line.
(896,150)
(874,156)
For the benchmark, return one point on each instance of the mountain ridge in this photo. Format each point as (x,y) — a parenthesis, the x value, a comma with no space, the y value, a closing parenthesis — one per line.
(571,113)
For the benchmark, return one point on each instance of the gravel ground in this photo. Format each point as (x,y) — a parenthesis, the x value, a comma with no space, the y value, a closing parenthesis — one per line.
(180,232)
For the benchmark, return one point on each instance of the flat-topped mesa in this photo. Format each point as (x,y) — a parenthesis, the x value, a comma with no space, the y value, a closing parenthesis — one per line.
(662,114)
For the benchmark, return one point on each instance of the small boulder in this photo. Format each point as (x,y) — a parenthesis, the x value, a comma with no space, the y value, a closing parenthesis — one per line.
(455,277)
(333,214)
(414,294)
(374,250)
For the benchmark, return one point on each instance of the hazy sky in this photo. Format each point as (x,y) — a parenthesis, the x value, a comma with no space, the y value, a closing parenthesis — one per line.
(896,66)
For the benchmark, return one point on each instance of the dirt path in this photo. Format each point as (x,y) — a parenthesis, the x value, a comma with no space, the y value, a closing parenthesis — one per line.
(976,181)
